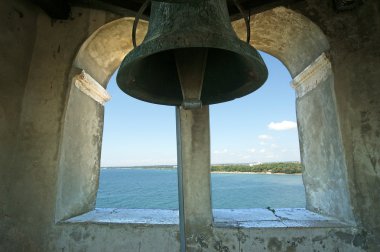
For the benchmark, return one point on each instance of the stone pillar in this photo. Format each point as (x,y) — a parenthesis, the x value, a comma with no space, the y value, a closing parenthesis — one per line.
(193,138)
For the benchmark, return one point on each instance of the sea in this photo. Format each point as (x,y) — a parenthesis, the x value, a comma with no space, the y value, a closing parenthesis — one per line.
(157,189)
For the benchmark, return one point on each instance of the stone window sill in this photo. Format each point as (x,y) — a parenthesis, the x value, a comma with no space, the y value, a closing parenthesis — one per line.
(223,218)
(273,218)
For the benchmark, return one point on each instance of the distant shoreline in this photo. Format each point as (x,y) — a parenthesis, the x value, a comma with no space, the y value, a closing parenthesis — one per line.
(260,173)
(216,172)
(279,168)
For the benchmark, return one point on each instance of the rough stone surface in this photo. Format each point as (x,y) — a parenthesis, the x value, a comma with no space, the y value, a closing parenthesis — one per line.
(287,35)
(234,230)
(37,55)
(79,162)
(354,50)
(324,173)
(18,23)
(39,111)
(108,237)
(100,56)
(193,129)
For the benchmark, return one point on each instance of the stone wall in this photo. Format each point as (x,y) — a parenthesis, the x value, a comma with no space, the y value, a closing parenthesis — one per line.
(40,174)
(17,40)
(324,168)
(36,66)
(354,51)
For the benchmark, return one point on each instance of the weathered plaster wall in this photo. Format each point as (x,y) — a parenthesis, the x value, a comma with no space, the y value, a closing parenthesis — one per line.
(298,42)
(79,162)
(127,237)
(18,28)
(37,60)
(324,172)
(287,35)
(116,237)
(355,52)
(17,23)
(352,42)
(100,56)
(36,73)
(286,239)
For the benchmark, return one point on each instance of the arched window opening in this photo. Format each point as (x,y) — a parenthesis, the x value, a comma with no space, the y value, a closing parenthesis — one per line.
(138,156)
(253,140)
(299,44)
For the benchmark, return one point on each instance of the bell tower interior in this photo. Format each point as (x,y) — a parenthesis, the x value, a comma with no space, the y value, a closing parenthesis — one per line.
(55,65)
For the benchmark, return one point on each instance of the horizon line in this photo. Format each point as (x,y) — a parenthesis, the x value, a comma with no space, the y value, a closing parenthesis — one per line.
(232,163)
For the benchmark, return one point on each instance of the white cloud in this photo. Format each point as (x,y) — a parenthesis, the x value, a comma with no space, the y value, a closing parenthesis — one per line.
(265,137)
(262,150)
(253,150)
(284,125)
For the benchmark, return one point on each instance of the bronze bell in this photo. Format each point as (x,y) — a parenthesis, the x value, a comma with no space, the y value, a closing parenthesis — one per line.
(191,56)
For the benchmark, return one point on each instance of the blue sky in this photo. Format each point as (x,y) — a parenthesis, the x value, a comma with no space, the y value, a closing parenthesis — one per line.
(260,127)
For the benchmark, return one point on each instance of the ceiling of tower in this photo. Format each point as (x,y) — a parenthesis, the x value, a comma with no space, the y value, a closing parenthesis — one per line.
(60,9)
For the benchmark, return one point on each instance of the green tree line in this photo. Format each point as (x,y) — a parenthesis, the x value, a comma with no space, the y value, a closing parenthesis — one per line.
(280,167)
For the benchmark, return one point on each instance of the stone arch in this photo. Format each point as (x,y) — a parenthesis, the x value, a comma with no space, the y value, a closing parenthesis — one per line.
(303,48)
(287,35)
(79,161)
(281,32)
(101,54)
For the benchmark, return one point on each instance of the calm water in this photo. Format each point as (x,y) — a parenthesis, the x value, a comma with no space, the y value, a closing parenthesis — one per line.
(155,188)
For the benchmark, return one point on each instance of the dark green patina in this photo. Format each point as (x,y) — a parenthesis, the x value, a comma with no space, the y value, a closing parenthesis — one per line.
(231,70)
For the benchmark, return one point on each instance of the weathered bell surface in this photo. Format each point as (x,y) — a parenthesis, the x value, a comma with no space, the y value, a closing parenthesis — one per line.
(191,55)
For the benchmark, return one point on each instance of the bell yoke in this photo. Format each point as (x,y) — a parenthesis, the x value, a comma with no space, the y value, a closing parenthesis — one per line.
(191,56)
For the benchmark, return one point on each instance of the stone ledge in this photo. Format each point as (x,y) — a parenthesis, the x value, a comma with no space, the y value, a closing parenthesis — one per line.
(274,218)
(225,218)
(127,216)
